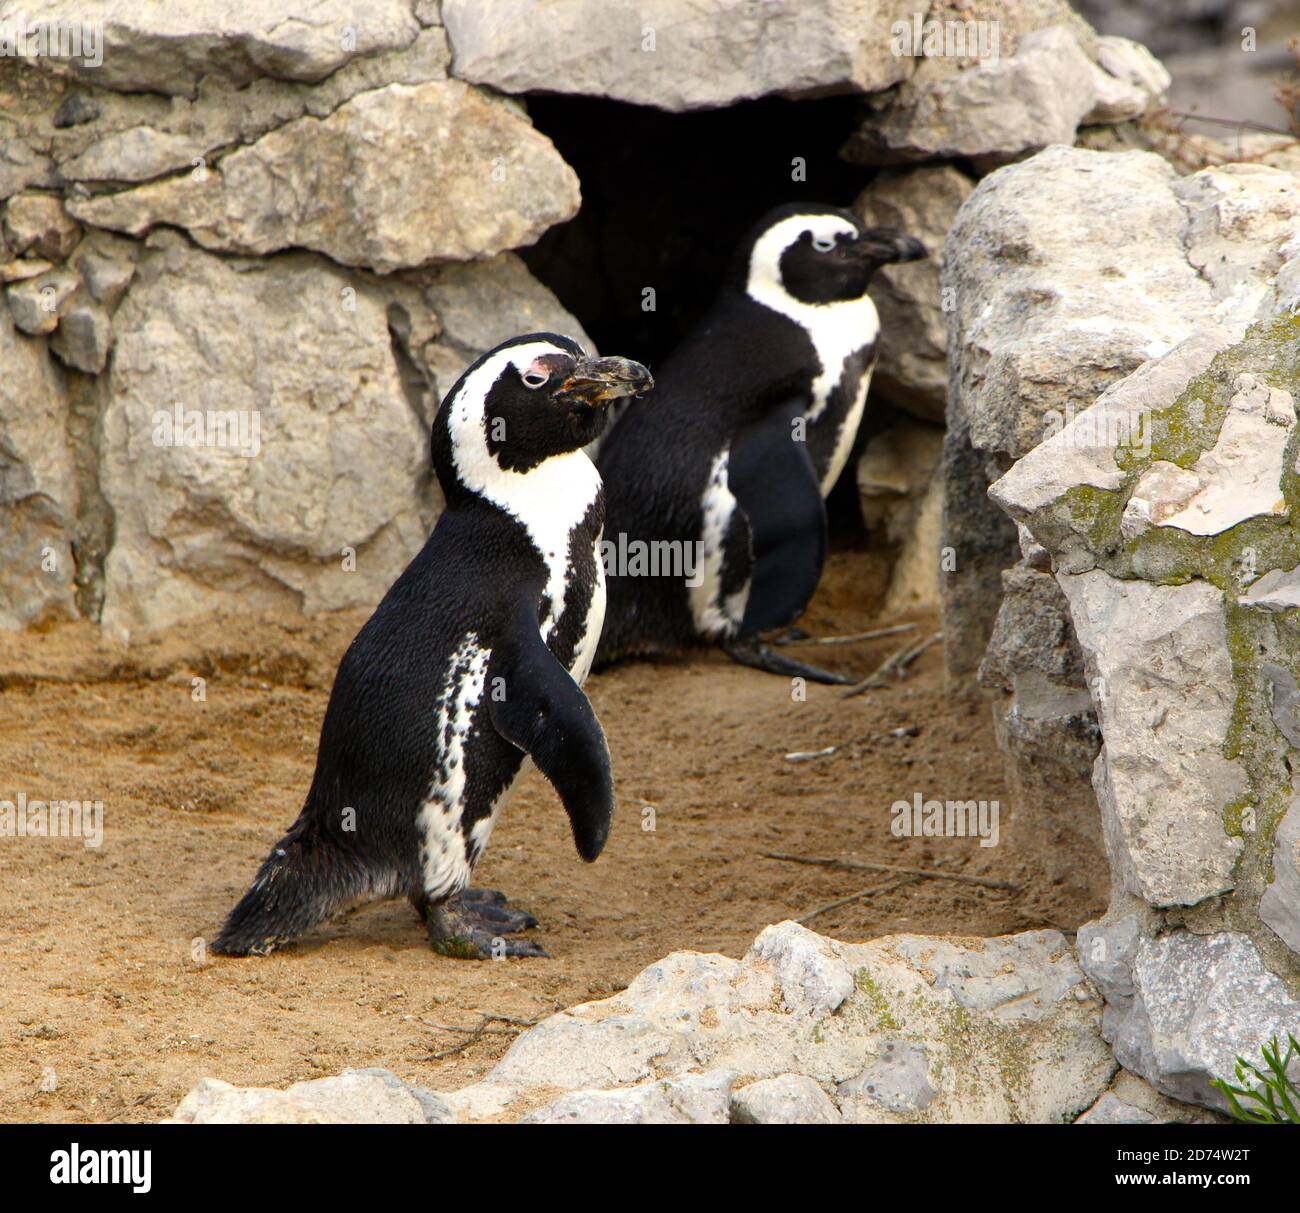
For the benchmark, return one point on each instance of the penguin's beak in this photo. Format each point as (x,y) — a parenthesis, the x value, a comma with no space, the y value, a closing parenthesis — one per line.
(884,246)
(599,380)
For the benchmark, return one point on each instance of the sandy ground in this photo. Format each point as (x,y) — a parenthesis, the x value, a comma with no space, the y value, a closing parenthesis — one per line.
(109,1010)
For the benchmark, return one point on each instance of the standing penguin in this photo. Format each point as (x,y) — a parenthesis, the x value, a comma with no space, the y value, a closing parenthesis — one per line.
(472,660)
(754,418)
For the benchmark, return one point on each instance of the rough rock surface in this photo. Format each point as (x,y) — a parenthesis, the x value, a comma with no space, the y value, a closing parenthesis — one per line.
(166,48)
(901,496)
(1175,553)
(38,489)
(317,454)
(1181,1008)
(902,1029)
(1131,1100)
(677,54)
(358,1097)
(395,178)
(1046,727)
(1161,679)
(306,482)
(995,84)
(1048,315)
(912,371)
(1279,907)
(906,1028)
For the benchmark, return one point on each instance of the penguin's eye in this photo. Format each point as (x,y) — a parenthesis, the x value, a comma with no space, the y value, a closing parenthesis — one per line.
(534,379)
(823,244)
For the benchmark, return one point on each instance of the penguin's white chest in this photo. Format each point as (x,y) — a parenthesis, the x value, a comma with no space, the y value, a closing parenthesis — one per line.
(584,652)
(848,430)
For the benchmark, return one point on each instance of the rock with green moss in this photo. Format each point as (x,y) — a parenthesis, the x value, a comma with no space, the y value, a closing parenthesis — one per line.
(906,1029)
(1179,554)
(1067,273)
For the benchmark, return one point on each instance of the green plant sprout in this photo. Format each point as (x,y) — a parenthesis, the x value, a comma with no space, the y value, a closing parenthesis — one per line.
(1276,1100)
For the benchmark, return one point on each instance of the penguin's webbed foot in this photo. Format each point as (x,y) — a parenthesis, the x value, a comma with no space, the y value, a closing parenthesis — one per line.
(490,904)
(473,925)
(759,657)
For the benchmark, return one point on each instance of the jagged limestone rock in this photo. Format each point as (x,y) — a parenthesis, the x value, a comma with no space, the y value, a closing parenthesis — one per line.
(678,54)
(394,178)
(38,487)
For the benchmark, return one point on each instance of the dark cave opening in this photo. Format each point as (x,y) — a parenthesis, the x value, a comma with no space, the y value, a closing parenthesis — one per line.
(665,199)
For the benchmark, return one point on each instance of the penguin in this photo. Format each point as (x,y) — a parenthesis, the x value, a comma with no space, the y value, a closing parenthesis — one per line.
(472,660)
(755,415)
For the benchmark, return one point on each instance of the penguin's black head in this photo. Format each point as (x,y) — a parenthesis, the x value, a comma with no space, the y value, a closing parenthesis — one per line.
(820,254)
(529,399)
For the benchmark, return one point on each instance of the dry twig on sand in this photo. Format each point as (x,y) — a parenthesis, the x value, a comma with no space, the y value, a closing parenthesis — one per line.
(861,866)
(888,887)
(894,667)
(892,629)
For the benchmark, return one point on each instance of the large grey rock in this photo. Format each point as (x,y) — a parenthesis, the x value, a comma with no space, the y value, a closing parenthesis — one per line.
(1030,353)
(1048,315)
(678,54)
(692,1100)
(944,1030)
(788,1099)
(39,225)
(803,1029)
(1188,1006)
(900,493)
(1279,907)
(1161,679)
(36,304)
(1134,1101)
(912,370)
(334,496)
(396,177)
(84,336)
(166,48)
(1001,108)
(133,137)
(331,459)
(996,83)
(355,1097)
(38,487)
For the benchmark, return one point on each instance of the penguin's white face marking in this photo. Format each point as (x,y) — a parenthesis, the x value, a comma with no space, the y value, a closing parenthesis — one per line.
(837,328)
(549,499)
(823,233)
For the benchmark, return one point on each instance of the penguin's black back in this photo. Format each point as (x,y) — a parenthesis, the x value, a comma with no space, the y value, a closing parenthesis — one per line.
(742,360)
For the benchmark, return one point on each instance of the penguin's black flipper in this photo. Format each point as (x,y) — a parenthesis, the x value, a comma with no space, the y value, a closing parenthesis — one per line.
(542,711)
(775,484)
(772,477)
